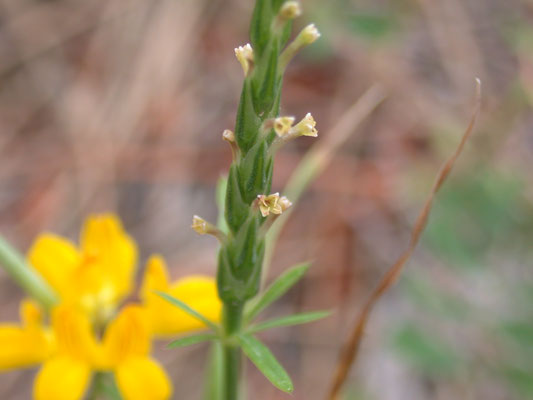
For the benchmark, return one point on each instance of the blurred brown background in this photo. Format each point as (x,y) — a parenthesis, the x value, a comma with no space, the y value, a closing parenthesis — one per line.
(119,106)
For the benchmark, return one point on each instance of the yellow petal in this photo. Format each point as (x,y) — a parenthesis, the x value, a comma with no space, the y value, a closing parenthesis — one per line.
(27,344)
(127,336)
(155,277)
(199,292)
(141,378)
(73,334)
(55,259)
(105,245)
(62,378)
(22,346)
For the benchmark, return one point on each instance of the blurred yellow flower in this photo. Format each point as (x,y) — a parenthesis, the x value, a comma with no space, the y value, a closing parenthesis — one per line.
(198,292)
(98,274)
(124,351)
(26,344)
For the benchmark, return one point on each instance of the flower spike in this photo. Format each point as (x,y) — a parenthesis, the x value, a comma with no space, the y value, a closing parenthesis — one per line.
(245,55)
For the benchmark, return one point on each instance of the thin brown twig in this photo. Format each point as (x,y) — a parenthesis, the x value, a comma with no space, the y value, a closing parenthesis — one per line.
(350,350)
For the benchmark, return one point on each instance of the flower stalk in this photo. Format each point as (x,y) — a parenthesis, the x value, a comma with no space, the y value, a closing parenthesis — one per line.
(15,265)
(250,207)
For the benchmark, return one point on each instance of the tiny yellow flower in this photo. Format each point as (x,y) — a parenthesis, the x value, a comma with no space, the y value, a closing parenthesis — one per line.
(124,351)
(26,344)
(95,276)
(282,125)
(245,55)
(199,292)
(269,204)
(306,127)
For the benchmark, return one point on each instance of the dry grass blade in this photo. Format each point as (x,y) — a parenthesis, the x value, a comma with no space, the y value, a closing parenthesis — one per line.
(350,350)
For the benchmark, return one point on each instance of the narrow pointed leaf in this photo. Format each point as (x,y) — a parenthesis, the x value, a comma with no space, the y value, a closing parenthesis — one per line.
(192,339)
(289,320)
(187,309)
(277,289)
(265,362)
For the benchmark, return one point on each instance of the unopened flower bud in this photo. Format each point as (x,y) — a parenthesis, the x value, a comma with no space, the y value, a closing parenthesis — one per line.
(228,136)
(307,36)
(199,225)
(285,203)
(202,227)
(269,204)
(290,10)
(282,125)
(245,55)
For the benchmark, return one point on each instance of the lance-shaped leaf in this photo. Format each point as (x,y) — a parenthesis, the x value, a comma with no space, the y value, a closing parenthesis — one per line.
(247,123)
(290,320)
(193,313)
(260,25)
(265,79)
(265,362)
(192,339)
(254,171)
(236,209)
(277,289)
(239,286)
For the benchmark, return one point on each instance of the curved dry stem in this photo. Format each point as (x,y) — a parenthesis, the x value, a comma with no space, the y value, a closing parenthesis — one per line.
(350,350)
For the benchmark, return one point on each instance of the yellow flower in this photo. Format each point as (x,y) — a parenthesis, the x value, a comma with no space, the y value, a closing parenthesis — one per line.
(199,292)
(94,276)
(124,351)
(269,204)
(26,344)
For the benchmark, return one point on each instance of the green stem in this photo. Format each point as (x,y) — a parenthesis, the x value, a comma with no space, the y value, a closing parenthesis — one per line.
(232,315)
(28,278)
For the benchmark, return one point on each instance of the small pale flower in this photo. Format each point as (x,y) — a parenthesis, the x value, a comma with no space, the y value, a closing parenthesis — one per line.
(282,125)
(285,203)
(306,127)
(245,55)
(199,225)
(290,10)
(269,204)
